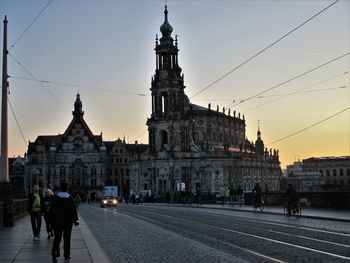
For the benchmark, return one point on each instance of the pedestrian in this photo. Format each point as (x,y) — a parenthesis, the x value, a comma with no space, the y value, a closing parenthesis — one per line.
(292,198)
(227,195)
(239,195)
(257,191)
(232,195)
(172,198)
(35,209)
(63,214)
(47,204)
(168,197)
(198,195)
(222,194)
(77,201)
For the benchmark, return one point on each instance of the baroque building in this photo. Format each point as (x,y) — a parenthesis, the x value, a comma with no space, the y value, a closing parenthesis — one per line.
(194,146)
(190,147)
(77,156)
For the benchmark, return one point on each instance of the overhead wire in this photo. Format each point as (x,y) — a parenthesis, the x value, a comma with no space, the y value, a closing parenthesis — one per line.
(308,127)
(263,50)
(80,86)
(33,21)
(40,83)
(304,91)
(140,134)
(289,80)
(19,126)
(282,96)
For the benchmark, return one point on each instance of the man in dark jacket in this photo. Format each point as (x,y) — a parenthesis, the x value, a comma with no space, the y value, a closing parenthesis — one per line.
(62,214)
(257,191)
(35,209)
(292,198)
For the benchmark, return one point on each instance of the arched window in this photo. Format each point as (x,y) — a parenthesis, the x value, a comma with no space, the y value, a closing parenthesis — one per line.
(164,103)
(327,173)
(321,172)
(164,137)
(162,108)
(334,172)
(348,172)
(341,172)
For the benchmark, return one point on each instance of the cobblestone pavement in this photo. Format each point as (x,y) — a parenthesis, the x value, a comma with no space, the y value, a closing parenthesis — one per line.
(144,233)
(129,239)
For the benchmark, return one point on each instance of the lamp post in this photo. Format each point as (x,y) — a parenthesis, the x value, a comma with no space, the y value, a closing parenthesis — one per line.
(5,185)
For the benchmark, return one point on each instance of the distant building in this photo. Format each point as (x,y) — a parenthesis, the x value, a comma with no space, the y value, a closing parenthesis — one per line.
(17,176)
(120,154)
(80,158)
(76,156)
(194,146)
(320,174)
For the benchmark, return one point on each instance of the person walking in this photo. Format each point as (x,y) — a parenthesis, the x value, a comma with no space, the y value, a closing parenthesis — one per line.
(35,209)
(227,195)
(232,195)
(47,204)
(198,195)
(63,214)
(222,194)
(292,198)
(257,191)
(77,201)
(239,195)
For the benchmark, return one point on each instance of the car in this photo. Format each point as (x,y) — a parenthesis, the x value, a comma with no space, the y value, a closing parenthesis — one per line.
(108,201)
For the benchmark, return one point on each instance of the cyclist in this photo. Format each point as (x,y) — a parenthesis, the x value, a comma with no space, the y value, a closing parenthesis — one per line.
(292,198)
(257,191)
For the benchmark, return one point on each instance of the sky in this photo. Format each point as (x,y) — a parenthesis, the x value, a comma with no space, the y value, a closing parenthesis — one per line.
(105,50)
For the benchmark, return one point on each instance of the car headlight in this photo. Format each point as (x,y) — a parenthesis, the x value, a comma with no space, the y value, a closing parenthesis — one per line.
(105,201)
(114,201)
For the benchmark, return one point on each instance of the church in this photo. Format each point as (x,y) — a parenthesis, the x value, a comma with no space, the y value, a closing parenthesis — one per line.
(190,147)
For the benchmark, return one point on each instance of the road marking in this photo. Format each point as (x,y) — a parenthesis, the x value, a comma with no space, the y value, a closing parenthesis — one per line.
(300,236)
(280,224)
(212,238)
(300,227)
(259,237)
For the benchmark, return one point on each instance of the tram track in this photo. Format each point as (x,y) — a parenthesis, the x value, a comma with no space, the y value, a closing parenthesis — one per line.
(330,251)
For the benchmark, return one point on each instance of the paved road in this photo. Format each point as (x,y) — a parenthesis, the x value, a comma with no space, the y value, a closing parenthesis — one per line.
(146,233)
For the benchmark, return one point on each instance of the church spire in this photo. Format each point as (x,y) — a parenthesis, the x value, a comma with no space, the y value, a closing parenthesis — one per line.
(166,28)
(259,144)
(78,107)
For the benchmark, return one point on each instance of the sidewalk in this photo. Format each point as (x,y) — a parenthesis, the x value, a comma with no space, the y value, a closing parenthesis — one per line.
(17,245)
(306,212)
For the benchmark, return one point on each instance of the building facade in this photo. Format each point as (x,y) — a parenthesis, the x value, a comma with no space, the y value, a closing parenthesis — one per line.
(192,146)
(17,176)
(76,156)
(320,174)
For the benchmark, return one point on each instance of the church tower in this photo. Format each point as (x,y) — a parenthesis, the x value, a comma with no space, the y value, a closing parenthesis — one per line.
(167,130)
(259,144)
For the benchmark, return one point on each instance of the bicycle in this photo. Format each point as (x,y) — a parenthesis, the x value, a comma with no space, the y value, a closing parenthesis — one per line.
(259,205)
(295,209)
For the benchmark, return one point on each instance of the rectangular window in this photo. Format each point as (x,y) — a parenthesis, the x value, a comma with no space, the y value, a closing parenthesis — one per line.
(184,139)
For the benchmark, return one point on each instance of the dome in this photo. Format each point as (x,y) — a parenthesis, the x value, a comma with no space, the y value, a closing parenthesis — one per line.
(166,28)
